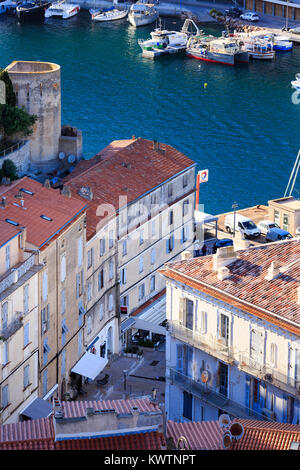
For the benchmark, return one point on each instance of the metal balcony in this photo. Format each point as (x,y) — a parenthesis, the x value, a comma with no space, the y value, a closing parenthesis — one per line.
(206,343)
(209,395)
(269,374)
(15,324)
(13,275)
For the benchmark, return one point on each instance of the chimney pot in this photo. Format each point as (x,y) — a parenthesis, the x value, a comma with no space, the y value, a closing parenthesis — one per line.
(273,271)
(186,255)
(4,202)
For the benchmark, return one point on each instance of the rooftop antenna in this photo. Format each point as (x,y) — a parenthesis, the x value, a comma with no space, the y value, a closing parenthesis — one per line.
(293,176)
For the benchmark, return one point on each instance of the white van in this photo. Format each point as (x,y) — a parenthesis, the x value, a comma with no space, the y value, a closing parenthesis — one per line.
(242,224)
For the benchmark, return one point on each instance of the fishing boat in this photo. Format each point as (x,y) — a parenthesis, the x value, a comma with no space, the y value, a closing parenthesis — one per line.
(223,50)
(142,13)
(7,7)
(258,48)
(62,9)
(282,43)
(32,11)
(296,83)
(112,14)
(165,42)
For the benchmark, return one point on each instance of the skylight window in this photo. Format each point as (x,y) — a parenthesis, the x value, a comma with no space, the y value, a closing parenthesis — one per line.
(46,218)
(12,222)
(26,191)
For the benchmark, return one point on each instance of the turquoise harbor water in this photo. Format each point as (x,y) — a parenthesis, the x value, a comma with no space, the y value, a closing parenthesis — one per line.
(243,126)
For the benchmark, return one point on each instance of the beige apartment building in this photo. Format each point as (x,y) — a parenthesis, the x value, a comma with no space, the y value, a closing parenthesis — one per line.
(19,322)
(285,211)
(54,225)
(140,197)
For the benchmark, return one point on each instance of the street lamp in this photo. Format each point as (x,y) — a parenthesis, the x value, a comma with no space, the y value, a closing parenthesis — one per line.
(125,375)
(234,207)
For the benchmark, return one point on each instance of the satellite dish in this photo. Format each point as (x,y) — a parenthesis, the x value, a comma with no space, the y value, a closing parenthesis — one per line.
(61,155)
(182,443)
(224,420)
(227,440)
(71,158)
(236,430)
(204,376)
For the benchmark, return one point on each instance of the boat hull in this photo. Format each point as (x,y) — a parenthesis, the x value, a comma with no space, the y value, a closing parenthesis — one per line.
(64,15)
(214,57)
(283,47)
(141,20)
(36,13)
(103,18)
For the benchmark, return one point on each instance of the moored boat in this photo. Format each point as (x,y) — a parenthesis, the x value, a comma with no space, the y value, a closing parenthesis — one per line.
(259,48)
(112,14)
(142,13)
(296,83)
(222,50)
(62,9)
(32,11)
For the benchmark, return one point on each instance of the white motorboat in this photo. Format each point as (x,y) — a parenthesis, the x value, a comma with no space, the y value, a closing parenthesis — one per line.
(258,48)
(109,15)
(296,83)
(142,13)
(63,10)
(164,42)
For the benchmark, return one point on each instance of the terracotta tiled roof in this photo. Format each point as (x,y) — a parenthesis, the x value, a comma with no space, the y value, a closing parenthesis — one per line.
(44,201)
(246,281)
(258,435)
(139,441)
(7,232)
(76,409)
(149,302)
(33,434)
(124,168)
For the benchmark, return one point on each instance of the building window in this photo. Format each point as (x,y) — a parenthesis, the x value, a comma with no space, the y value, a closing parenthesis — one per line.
(141,291)
(80,336)
(187,405)
(153,256)
(141,264)
(89,291)
(4,394)
(141,236)
(45,382)
(89,324)
(63,362)
(4,315)
(7,257)
(153,228)
(5,353)
(26,334)
(102,246)
(185,208)
(224,328)
(277,217)
(26,376)
(110,303)
(111,239)
(111,270)
(124,247)
(81,313)
(123,276)
(285,222)
(63,301)
(79,284)
(170,189)
(184,234)
(46,350)
(153,198)
(79,251)
(189,322)
(63,268)
(45,286)
(273,355)
(90,262)
(170,244)
(100,279)
(101,311)
(45,317)
(203,322)
(185,180)
(171,217)
(64,331)
(152,283)
(26,299)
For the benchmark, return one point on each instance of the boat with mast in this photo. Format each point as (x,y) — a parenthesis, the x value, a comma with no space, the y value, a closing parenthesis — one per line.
(62,9)
(111,14)
(32,11)
(142,13)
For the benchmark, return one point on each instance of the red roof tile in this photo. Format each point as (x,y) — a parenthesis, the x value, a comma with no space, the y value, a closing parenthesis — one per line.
(48,202)
(32,434)
(258,435)
(140,441)
(246,281)
(7,232)
(128,168)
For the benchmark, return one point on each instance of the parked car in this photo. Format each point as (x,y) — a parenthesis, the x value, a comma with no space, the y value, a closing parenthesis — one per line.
(295,30)
(266,225)
(276,234)
(234,12)
(222,242)
(242,224)
(249,16)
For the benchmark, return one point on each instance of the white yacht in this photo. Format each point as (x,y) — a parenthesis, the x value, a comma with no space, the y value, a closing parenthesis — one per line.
(142,13)
(62,9)
(110,15)
(296,83)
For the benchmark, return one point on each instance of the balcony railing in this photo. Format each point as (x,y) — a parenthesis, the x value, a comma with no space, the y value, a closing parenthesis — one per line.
(15,324)
(210,345)
(269,374)
(209,395)
(16,273)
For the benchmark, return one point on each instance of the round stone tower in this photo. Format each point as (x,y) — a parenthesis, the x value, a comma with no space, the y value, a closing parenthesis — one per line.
(37,88)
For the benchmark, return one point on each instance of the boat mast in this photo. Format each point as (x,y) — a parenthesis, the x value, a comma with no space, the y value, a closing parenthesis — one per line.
(293,176)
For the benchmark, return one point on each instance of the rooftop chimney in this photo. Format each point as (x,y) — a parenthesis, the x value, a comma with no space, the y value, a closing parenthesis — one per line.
(186,255)
(66,191)
(224,256)
(86,192)
(47,183)
(155,145)
(273,271)
(4,202)
(223,273)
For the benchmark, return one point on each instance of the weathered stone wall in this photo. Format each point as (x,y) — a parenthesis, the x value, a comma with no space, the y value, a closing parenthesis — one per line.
(20,157)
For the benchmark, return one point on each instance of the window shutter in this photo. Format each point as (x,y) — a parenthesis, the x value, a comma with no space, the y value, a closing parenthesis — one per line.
(63,268)
(26,334)
(179,358)
(80,252)
(247,391)
(167,246)
(45,286)
(284,408)
(262,395)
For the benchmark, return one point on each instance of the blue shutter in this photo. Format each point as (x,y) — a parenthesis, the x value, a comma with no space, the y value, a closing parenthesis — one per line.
(179,357)
(247,391)
(26,334)
(167,246)
(262,395)
(284,409)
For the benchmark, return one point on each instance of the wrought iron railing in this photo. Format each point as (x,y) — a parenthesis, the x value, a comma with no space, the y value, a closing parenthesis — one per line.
(12,148)
(16,273)
(14,325)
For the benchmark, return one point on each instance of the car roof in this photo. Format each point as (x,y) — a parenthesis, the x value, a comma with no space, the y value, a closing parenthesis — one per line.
(279,231)
(265,221)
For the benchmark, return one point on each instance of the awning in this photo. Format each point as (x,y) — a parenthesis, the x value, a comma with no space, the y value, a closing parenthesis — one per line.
(38,408)
(151,318)
(125,325)
(90,365)
(204,218)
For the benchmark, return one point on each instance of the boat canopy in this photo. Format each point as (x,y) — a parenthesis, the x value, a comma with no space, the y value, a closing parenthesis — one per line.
(139,7)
